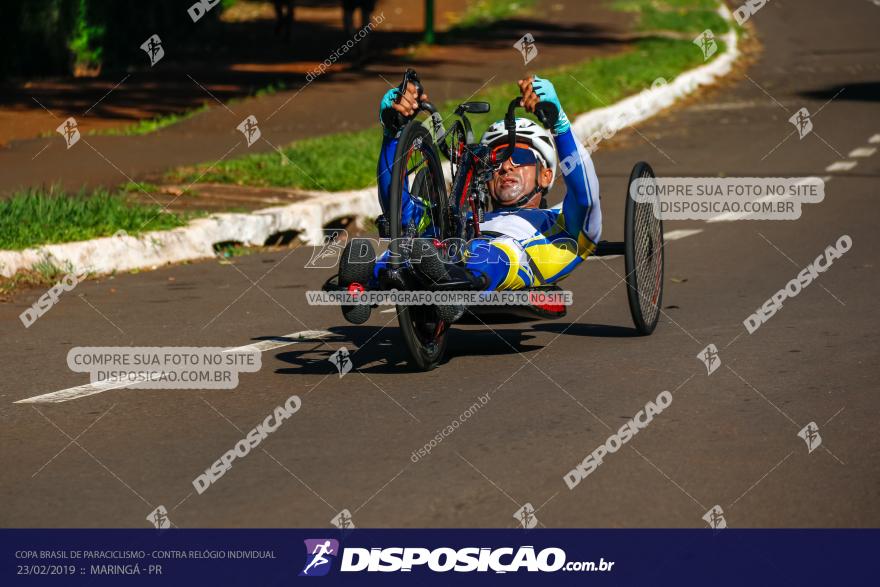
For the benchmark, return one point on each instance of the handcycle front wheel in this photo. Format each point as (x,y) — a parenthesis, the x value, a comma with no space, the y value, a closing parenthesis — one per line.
(643,254)
(418,176)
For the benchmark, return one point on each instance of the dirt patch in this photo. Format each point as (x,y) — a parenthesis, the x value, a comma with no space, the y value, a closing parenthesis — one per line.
(212,197)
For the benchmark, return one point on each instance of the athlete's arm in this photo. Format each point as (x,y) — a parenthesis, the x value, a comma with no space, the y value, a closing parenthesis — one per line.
(407,105)
(383,170)
(581,215)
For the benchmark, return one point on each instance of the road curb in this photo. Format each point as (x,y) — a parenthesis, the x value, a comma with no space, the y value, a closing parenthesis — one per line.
(639,107)
(196,240)
(308,217)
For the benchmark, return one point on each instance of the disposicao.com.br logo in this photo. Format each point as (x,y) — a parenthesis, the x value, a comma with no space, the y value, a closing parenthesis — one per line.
(442,560)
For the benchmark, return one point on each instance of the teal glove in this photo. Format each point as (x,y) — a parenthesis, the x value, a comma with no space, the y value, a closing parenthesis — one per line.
(547,93)
(386,113)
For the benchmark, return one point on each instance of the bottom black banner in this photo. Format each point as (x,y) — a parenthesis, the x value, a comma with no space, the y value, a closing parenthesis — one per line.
(498,557)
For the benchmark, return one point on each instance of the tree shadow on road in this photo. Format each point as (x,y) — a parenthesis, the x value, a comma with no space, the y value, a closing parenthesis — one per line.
(235,60)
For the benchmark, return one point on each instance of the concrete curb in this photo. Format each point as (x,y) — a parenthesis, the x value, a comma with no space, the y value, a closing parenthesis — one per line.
(308,217)
(196,240)
(604,122)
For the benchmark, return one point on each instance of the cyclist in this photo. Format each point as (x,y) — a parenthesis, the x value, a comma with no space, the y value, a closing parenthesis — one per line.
(523,243)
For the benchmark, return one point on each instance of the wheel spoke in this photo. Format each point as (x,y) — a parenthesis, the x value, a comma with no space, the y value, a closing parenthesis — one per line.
(419,176)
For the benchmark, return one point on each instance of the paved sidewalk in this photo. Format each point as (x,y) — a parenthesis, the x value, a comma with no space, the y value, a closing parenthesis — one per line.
(345,100)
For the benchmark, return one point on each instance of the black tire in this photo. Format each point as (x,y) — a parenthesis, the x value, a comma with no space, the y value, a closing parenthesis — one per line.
(426,260)
(424,331)
(356,266)
(644,256)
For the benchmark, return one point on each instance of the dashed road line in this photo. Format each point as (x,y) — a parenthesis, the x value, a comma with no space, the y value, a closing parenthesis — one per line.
(862,152)
(730,216)
(88,389)
(79,391)
(672,235)
(281,341)
(841,166)
(74,392)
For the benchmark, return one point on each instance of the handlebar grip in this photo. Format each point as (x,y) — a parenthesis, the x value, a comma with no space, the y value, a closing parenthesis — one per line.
(510,116)
(547,113)
(410,75)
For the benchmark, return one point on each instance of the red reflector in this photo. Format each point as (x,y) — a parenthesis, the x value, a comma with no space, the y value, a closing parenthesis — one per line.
(554,308)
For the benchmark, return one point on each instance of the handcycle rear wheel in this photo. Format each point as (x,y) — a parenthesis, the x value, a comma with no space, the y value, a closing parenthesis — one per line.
(643,255)
(417,174)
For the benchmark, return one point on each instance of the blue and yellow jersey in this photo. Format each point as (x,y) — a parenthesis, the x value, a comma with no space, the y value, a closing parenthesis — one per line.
(524,247)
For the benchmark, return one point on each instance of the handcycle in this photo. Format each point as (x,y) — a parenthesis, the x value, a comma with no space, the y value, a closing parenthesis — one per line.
(455,216)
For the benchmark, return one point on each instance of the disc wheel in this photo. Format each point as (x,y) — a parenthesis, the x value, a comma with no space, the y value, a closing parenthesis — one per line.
(417,184)
(643,254)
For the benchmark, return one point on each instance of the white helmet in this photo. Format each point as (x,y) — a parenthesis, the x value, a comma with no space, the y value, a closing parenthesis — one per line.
(531,133)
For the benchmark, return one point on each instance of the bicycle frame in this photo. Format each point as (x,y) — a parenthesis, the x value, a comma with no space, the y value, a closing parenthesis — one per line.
(469,195)
(468,184)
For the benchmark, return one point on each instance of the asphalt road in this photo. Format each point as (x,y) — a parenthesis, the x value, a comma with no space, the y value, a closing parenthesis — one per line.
(557,389)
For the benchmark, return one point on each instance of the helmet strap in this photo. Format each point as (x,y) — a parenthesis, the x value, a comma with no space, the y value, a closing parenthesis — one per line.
(527,197)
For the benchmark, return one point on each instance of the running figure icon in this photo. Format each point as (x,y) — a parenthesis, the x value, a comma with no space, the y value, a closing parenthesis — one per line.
(319,552)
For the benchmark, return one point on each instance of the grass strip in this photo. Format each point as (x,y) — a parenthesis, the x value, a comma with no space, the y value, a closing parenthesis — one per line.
(37,216)
(348,160)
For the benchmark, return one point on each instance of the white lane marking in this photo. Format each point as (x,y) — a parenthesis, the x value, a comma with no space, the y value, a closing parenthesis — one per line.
(874,140)
(730,106)
(841,166)
(862,152)
(88,389)
(730,216)
(280,341)
(74,392)
(388,311)
(672,235)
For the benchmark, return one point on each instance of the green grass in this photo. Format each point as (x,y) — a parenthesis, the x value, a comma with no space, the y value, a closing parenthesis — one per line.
(348,160)
(635,5)
(146,126)
(683,16)
(36,217)
(232,250)
(600,82)
(484,12)
(694,22)
(149,125)
(43,273)
(133,187)
(333,162)
(270,90)
(478,14)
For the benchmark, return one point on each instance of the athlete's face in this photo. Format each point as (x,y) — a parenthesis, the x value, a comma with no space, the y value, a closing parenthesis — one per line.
(511,181)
